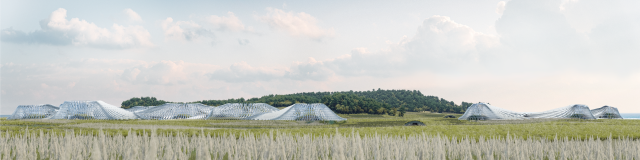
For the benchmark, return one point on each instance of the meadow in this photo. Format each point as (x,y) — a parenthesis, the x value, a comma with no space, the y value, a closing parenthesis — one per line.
(362,136)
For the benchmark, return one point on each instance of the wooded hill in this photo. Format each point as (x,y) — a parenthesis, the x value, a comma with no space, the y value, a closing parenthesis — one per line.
(142,101)
(346,102)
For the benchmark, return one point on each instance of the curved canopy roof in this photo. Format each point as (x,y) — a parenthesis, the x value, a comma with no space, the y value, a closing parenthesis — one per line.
(606,112)
(138,108)
(302,112)
(175,111)
(91,110)
(42,111)
(240,110)
(484,111)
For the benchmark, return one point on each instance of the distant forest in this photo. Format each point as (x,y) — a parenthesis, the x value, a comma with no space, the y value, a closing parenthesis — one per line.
(142,101)
(346,102)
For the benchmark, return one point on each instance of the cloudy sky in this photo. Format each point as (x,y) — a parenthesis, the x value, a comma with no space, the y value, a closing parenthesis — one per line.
(521,55)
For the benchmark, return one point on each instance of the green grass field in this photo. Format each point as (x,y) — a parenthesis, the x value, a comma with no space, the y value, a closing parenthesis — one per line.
(363,124)
(362,136)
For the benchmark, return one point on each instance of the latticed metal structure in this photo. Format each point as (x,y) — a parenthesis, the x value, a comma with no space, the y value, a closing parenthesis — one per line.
(606,112)
(42,111)
(484,111)
(91,110)
(249,111)
(302,112)
(176,111)
(240,110)
(138,108)
(574,111)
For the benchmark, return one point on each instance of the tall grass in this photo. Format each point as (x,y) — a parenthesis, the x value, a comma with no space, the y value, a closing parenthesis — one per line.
(392,126)
(35,144)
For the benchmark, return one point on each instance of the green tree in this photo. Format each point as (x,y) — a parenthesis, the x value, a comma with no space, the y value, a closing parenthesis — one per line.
(393,112)
(142,101)
(402,111)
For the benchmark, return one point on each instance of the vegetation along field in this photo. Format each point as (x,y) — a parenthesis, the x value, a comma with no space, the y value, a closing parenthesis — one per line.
(362,136)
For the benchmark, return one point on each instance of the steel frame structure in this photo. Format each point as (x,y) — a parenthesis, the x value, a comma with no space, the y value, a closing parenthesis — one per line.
(302,112)
(91,110)
(607,112)
(42,111)
(240,110)
(248,111)
(484,111)
(175,111)
(135,109)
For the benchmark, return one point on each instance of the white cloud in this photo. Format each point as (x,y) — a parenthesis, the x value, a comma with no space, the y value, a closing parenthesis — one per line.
(536,26)
(610,33)
(57,30)
(243,72)
(566,3)
(439,45)
(230,22)
(296,24)
(44,86)
(131,74)
(243,41)
(194,31)
(548,35)
(133,16)
(161,73)
(310,70)
(184,30)
(500,7)
(442,39)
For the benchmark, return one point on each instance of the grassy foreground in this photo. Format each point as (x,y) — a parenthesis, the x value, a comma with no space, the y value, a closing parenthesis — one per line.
(153,145)
(362,136)
(363,124)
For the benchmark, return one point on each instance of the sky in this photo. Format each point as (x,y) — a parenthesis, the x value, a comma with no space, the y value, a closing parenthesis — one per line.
(521,55)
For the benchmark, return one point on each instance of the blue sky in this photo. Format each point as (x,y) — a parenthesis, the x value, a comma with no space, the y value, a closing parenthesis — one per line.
(522,55)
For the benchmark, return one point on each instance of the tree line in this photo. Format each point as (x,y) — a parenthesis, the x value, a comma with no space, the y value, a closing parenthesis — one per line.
(411,100)
(378,101)
(142,101)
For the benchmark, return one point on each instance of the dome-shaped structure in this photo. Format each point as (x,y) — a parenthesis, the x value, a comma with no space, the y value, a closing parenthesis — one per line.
(138,108)
(606,112)
(484,111)
(176,111)
(302,112)
(240,110)
(91,110)
(42,111)
(574,111)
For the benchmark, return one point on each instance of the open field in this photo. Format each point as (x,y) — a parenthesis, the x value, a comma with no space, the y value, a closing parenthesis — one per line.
(362,123)
(362,136)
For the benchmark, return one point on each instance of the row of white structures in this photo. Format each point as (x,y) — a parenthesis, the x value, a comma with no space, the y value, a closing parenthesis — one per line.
(484,111)
(240,111)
